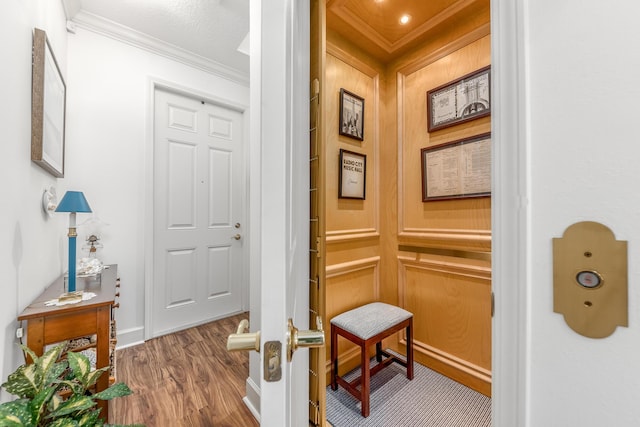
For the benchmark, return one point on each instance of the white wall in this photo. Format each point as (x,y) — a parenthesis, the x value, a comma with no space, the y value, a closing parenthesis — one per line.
(582,75)
(109,95)
(32,246)
(107,153)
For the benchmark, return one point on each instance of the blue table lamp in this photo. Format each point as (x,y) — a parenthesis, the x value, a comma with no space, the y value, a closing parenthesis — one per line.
(72,202)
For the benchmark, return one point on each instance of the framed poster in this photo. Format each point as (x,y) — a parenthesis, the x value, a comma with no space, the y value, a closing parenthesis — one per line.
(352,180)
(351,115)
(48,99)
(458,169)
(459,101)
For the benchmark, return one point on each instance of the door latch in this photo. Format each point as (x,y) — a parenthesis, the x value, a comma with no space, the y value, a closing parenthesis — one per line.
(243,340)
(308,339)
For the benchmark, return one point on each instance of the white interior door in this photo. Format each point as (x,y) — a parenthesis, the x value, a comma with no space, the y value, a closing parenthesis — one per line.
(280,108)
(198,212)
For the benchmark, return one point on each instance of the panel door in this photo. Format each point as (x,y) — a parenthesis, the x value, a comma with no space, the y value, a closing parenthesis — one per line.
(198,212)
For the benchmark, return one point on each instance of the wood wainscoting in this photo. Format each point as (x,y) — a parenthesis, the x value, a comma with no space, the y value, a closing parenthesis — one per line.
(451,302)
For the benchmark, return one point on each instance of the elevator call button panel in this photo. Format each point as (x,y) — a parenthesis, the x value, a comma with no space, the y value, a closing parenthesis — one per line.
(590,279)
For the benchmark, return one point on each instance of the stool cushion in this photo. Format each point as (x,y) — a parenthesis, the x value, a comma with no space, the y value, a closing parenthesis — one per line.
(371,319)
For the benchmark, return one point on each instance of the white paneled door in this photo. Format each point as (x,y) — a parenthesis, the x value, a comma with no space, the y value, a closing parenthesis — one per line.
(199,193)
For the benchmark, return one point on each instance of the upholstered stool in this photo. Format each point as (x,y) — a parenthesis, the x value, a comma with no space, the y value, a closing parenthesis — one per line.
(365,326)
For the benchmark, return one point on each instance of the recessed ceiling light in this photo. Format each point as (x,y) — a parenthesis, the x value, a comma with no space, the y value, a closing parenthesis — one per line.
(404,19)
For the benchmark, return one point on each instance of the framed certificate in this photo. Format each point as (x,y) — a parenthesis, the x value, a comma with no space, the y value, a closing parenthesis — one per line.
(353,173)
(458,169)
(461,100)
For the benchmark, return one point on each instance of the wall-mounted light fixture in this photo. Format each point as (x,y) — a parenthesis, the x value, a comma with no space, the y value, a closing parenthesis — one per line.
(49,201)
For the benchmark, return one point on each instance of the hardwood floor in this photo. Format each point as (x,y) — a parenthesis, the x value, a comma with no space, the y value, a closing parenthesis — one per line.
(187,378)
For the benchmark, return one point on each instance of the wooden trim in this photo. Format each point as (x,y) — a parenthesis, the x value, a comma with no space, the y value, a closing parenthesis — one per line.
(473,376)
(462,236)
(352,266)
(482,256)
(457,268)
(351,235)
(475,35)
(352,60)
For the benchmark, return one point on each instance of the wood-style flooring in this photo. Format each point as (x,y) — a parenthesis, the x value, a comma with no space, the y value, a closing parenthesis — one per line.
(187,378)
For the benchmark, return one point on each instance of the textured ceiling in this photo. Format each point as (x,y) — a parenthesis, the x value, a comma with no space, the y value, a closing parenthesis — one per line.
(212,29)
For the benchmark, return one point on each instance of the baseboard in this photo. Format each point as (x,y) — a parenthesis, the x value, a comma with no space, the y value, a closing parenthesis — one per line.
(130,337)
(252,399)
(462,371)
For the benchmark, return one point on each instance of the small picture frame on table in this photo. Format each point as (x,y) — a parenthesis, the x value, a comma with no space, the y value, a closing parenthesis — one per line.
(351,115)
(353,173)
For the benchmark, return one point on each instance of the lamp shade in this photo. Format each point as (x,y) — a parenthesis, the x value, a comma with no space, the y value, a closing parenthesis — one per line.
(73,201)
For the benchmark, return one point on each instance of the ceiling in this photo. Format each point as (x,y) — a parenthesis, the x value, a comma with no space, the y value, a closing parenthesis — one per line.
(207,33)
(374,25)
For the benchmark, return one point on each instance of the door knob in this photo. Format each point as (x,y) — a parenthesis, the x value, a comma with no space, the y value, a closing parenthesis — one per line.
(243,340)
(308,339)
(237,237)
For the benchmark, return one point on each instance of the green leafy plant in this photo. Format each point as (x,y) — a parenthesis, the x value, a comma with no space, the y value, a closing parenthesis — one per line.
(41,385)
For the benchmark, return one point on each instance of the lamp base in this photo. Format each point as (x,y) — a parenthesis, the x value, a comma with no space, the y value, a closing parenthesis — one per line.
(71,297)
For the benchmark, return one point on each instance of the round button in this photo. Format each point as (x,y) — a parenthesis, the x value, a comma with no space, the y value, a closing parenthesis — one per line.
(589,279)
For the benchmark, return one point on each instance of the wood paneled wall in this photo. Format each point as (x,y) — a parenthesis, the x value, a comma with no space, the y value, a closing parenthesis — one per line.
(353,232)
(434,258)
(446,279)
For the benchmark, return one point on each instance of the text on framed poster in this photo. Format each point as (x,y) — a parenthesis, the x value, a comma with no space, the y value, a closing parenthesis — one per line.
(458,169)
(352,179)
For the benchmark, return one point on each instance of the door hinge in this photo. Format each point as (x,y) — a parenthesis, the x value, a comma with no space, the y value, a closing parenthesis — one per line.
(314,413)
(493,304)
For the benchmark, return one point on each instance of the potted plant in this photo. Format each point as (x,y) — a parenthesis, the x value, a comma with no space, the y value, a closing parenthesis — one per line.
(41,385)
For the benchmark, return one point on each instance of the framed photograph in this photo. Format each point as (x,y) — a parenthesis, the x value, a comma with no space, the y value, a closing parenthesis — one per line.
(48,98)
(351,115)
(458,169)
(353,172)
(461,100)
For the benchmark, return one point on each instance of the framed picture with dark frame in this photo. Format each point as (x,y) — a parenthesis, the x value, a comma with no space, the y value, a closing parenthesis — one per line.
(351,115)
(463,99)
(48,99)
(458,169)
(353,173)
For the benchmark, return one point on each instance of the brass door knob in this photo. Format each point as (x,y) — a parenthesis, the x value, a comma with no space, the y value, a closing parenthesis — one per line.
(308,339)
(243,340)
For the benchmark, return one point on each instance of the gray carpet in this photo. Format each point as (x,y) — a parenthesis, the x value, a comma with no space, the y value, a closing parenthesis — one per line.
(430,400)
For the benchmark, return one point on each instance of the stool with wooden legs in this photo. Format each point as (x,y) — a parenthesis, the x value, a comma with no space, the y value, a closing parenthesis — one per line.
(365,326)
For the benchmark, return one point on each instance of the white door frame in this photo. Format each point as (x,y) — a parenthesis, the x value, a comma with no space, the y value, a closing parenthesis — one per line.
(510,214)
(280,126)
(158,83)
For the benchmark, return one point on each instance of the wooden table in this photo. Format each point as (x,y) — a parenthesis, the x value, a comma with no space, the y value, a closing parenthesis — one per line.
(53,324)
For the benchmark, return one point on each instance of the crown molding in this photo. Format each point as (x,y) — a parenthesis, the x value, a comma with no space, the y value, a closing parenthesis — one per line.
(113,30)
